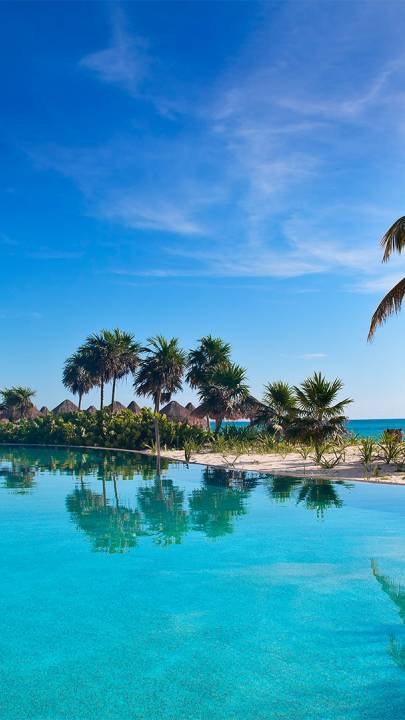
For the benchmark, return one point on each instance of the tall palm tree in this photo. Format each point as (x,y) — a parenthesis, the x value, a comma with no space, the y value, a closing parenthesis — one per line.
(124,353)
(17,400)
(160,375)
(279,407)
(225,393)
(320,416)
(76,377)
(210,354)
(95,354)
(393,240)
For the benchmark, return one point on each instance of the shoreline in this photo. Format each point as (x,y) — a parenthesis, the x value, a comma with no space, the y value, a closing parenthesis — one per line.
(291,465)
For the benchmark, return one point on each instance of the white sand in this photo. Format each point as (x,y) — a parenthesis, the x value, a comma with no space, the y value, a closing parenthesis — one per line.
(350,468)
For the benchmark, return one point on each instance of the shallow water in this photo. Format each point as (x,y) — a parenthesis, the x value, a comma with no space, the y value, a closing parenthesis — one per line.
(196,595)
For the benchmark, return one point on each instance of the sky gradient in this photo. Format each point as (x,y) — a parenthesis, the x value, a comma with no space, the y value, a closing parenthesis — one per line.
(203,167)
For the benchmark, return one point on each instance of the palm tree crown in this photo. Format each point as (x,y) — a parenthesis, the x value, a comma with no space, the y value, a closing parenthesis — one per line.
(160,375)
(123,355)
(76,377)
(225,393)
(320,415)
(208,356)
(279,407)
(17,400)
(393,240)
(161,371)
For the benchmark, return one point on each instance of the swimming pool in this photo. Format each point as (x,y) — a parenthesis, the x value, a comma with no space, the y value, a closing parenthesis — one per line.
(197,594)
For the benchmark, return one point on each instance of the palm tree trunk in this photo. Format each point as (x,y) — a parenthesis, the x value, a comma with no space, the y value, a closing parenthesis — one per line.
(80,401)
(102,396)
(208,424)
(113,393)
(157,432)
(218,422)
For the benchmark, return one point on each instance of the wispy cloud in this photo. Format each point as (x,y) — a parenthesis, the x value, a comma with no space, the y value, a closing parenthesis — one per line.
(125,63)
(19,315)
(305,356)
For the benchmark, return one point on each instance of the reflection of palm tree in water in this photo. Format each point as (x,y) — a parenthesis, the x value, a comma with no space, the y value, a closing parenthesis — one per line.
(19,478)
(396,593)
(222,498)
(162,507)
(112,529)
(315,494)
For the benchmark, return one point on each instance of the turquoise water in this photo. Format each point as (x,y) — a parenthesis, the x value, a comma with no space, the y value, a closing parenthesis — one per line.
(362,428)
(196,595)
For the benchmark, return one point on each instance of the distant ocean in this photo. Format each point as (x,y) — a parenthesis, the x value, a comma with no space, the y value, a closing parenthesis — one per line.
(362,428)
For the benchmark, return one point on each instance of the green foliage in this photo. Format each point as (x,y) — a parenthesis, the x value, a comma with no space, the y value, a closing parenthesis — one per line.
(367,448)
(17,400)
(391,449)
(121,430)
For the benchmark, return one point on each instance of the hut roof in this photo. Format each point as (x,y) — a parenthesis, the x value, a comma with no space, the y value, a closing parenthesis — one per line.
(175,411)
(117,406)
(199,412)
(134,407)
(91,409)
(190,407)
(67,406)
(44,410)
(33,412)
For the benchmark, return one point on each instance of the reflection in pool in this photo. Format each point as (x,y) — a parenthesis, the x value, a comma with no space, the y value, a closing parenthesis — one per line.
(196,593)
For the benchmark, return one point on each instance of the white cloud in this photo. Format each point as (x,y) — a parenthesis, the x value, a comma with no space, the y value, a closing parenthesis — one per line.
(125,63)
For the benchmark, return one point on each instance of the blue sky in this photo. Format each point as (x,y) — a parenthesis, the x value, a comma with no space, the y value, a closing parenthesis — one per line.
(203,167)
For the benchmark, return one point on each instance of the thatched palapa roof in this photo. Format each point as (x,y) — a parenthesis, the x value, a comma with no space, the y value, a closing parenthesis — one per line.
(134,407)
(67,406)
(118,407)
(190,407)
(174,411)
(91,409)
(44,410)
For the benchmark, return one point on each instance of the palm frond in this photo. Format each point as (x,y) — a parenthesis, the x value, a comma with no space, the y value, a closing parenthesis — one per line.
(389,305)
(394,239)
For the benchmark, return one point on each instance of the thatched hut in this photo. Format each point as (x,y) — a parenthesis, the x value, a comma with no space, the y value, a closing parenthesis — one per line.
(44,411)
(190,407)
(91,409)
(174,411)
(117,408)
(199,417)
(33,412)
(65,407)
(134,407)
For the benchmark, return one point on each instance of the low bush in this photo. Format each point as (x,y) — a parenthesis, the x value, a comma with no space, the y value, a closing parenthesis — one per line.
(121,430)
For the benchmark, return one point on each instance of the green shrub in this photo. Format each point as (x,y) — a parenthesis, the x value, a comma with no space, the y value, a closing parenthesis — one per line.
(120,430)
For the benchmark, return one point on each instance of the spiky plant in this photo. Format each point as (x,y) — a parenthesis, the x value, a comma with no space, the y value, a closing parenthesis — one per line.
(320,414)
(279,407)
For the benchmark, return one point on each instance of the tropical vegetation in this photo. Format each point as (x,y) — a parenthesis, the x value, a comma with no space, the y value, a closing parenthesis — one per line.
(392,241)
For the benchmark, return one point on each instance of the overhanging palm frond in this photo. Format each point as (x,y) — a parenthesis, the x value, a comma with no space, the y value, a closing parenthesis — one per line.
(394,239)
(388,306)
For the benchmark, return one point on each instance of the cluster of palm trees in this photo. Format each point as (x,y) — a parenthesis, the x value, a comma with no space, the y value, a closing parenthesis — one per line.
(17,401)
(309,412)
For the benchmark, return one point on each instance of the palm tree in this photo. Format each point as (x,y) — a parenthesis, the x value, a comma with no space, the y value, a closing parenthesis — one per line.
(225,393)
(75,376)
(279,407)
(160,375)
(96,357)
(393,240)
(320,416)
(124,354)
(17,400)
(210,354)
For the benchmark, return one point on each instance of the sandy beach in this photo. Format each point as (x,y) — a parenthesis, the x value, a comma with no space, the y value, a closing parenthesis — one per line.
(292,464)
